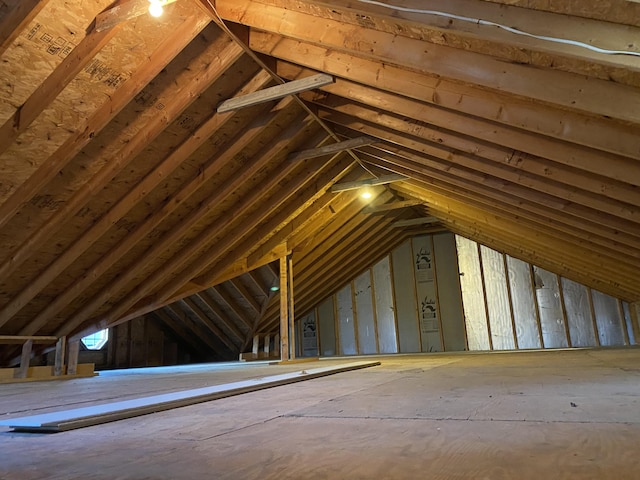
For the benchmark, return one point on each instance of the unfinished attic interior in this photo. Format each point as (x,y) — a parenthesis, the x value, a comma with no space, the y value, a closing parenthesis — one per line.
(189,188)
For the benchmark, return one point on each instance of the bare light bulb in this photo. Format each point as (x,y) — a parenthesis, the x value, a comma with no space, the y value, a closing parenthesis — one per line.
(366,194)
(155,9)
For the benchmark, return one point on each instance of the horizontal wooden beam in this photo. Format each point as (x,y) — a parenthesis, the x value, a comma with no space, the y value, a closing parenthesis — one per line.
(369,182)
(391,206)
(275,26)
(275,93)
(415,221)
(20,339)
(333,148)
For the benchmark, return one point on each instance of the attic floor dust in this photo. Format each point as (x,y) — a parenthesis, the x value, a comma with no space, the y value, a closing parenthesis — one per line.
(561,414)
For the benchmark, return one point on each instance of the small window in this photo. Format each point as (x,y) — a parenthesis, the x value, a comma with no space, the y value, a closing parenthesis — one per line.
(97,340)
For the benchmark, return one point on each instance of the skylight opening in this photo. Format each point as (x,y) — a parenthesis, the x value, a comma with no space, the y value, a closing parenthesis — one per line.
(97,340)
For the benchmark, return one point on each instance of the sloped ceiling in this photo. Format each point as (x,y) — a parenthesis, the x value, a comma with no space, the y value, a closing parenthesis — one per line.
(123,191)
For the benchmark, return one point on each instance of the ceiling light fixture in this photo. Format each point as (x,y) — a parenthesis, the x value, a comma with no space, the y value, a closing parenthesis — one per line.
(366,194)
(155,8)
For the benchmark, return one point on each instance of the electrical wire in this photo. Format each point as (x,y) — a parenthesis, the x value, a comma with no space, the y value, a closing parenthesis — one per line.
(479,21)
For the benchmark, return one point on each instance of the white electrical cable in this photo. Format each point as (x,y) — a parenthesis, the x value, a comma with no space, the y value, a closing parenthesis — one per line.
(479,21)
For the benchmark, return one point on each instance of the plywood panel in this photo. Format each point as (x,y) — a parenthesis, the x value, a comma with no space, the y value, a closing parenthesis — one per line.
(628,322)
(406,303)
(551,318)
(449,295)
(385,314)
(364,313)
(523,304)
(498,305)
(308,335)
(472,297)
(344,311)
(426,292)
(608,319)
(576,303)
(327,326)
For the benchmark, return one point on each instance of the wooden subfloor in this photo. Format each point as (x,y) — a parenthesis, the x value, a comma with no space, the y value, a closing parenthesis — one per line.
(534,415)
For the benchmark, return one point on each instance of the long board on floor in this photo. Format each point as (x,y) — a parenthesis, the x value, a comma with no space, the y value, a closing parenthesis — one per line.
(109,412)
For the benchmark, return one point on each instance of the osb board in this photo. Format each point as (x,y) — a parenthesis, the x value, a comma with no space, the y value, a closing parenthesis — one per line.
(144,208)
(42,46)
(148,159)
(98,152)
(145,276)
(43,373)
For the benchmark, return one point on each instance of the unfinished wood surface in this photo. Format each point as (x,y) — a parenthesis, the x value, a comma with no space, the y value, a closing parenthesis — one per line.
(25,359)
(331,148)
(72,357)
(586,428)
(123,190)
(275,93)
(285,348)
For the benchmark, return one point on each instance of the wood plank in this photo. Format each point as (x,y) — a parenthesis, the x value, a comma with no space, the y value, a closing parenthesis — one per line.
(25,359)
(395,205)
(219,313)
(291,316)
(529,233)
(615,11)
(248,235)
(244,265)
(564,89)
(110,412)
(246,294)
(415,221)
(149,131)
(258,282)
(20,339)
(329,279)
(256,346)
(368,182)
(477,35)
(173,202)
(232,305)
(61,347)
(198,330)
(332,148)
(444,129)
(580,204)
(492,198)
(284,310)
(634,311)
(159,58)
(183,334)
(275,93)
(72,354)
(179,261)
(213,328)
(507,111)
(556,259)
(326,205)
(279,214)
(446,144)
